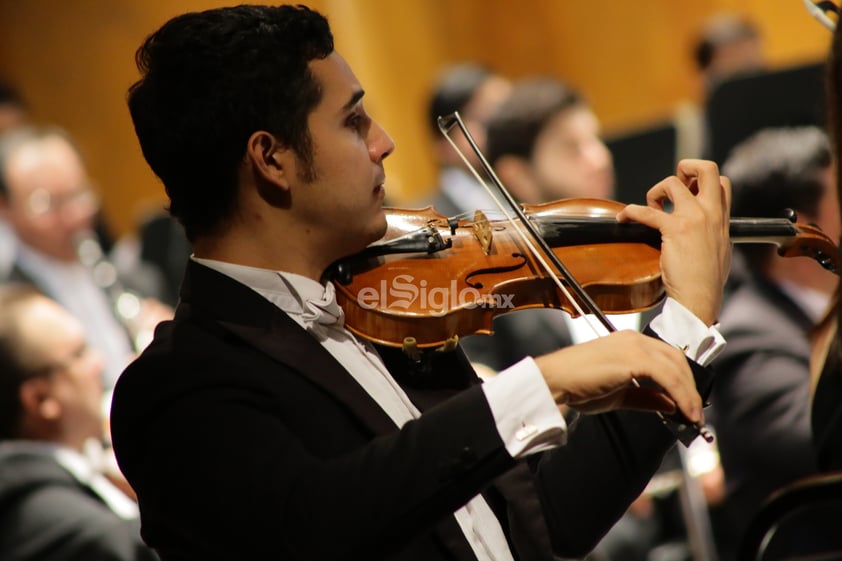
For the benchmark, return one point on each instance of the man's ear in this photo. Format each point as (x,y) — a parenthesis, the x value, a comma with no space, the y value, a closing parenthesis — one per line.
(37,399)
(270,159)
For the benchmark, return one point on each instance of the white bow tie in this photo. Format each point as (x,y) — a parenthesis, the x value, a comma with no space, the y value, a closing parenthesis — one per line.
(325,311)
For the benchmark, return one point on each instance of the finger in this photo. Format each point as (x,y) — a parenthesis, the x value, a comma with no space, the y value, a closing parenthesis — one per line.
(702,172)
(725,184)
(668,370)
(652,214)
(692,177)
(704,176)
(714,196)
(660,380)
(666,189)
(648,399)
(672,373)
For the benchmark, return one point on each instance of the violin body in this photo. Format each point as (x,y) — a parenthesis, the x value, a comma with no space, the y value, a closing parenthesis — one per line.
(478,269)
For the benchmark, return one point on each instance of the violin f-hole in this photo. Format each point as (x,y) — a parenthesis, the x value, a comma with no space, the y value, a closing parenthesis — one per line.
(492,270)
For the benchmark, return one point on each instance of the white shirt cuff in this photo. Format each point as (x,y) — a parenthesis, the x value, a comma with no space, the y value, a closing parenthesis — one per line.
(679,327)
(526,415)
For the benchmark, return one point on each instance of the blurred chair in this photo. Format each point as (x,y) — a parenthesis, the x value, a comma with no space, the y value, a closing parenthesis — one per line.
(164,246)
(799,522)
(741,106)
(642,158)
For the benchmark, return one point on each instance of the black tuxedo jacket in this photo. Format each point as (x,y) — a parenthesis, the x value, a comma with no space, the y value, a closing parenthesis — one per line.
(761,408)
(246,440)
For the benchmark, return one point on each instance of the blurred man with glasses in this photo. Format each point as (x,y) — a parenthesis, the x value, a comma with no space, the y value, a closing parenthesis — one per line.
(47,199)
(56,502)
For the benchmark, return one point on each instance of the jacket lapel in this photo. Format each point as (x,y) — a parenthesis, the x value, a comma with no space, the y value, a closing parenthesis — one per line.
(211,297)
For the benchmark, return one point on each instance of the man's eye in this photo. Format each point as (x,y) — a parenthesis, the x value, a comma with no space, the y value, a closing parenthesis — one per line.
(354,121)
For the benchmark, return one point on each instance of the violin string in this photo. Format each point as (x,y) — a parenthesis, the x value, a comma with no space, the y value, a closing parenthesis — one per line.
(589,320)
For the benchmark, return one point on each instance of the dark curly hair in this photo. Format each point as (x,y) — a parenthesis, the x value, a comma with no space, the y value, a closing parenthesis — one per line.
(209,80)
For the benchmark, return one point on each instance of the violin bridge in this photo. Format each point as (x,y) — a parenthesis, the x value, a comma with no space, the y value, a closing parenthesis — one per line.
(482,231)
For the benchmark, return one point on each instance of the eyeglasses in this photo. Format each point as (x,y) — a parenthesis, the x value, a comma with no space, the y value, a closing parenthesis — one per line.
(825,11)
(42,203)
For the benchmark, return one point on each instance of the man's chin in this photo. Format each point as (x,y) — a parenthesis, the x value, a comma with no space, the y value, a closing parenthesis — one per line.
(374,235)
(381,229)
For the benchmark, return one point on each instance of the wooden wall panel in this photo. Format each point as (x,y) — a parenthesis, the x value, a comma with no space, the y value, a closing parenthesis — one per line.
(74,60)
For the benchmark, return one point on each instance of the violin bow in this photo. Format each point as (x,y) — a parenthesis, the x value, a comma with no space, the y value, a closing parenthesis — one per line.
(821,10)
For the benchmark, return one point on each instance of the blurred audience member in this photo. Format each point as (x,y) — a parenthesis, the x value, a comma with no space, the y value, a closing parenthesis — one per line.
(544,142)
(54,502)
(13,113)
(474,91)
(728,45)
(47,199)
(13,109)
(761,398)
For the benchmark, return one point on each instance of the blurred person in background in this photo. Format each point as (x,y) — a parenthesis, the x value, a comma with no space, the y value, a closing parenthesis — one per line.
(13,113)
(761,399)
(49,202)
(56,502)
(727,45)
(475,91)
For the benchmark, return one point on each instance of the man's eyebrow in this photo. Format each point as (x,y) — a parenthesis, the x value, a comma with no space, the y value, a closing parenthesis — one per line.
(354,99)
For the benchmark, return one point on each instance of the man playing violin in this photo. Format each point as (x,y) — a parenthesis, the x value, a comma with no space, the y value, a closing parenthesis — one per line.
(255,426)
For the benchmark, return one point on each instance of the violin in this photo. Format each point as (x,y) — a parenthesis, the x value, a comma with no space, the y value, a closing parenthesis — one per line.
(433,279)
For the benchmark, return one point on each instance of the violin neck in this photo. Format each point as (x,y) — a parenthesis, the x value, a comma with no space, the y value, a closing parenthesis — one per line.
(762,230)
(571,231)
(589,230)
